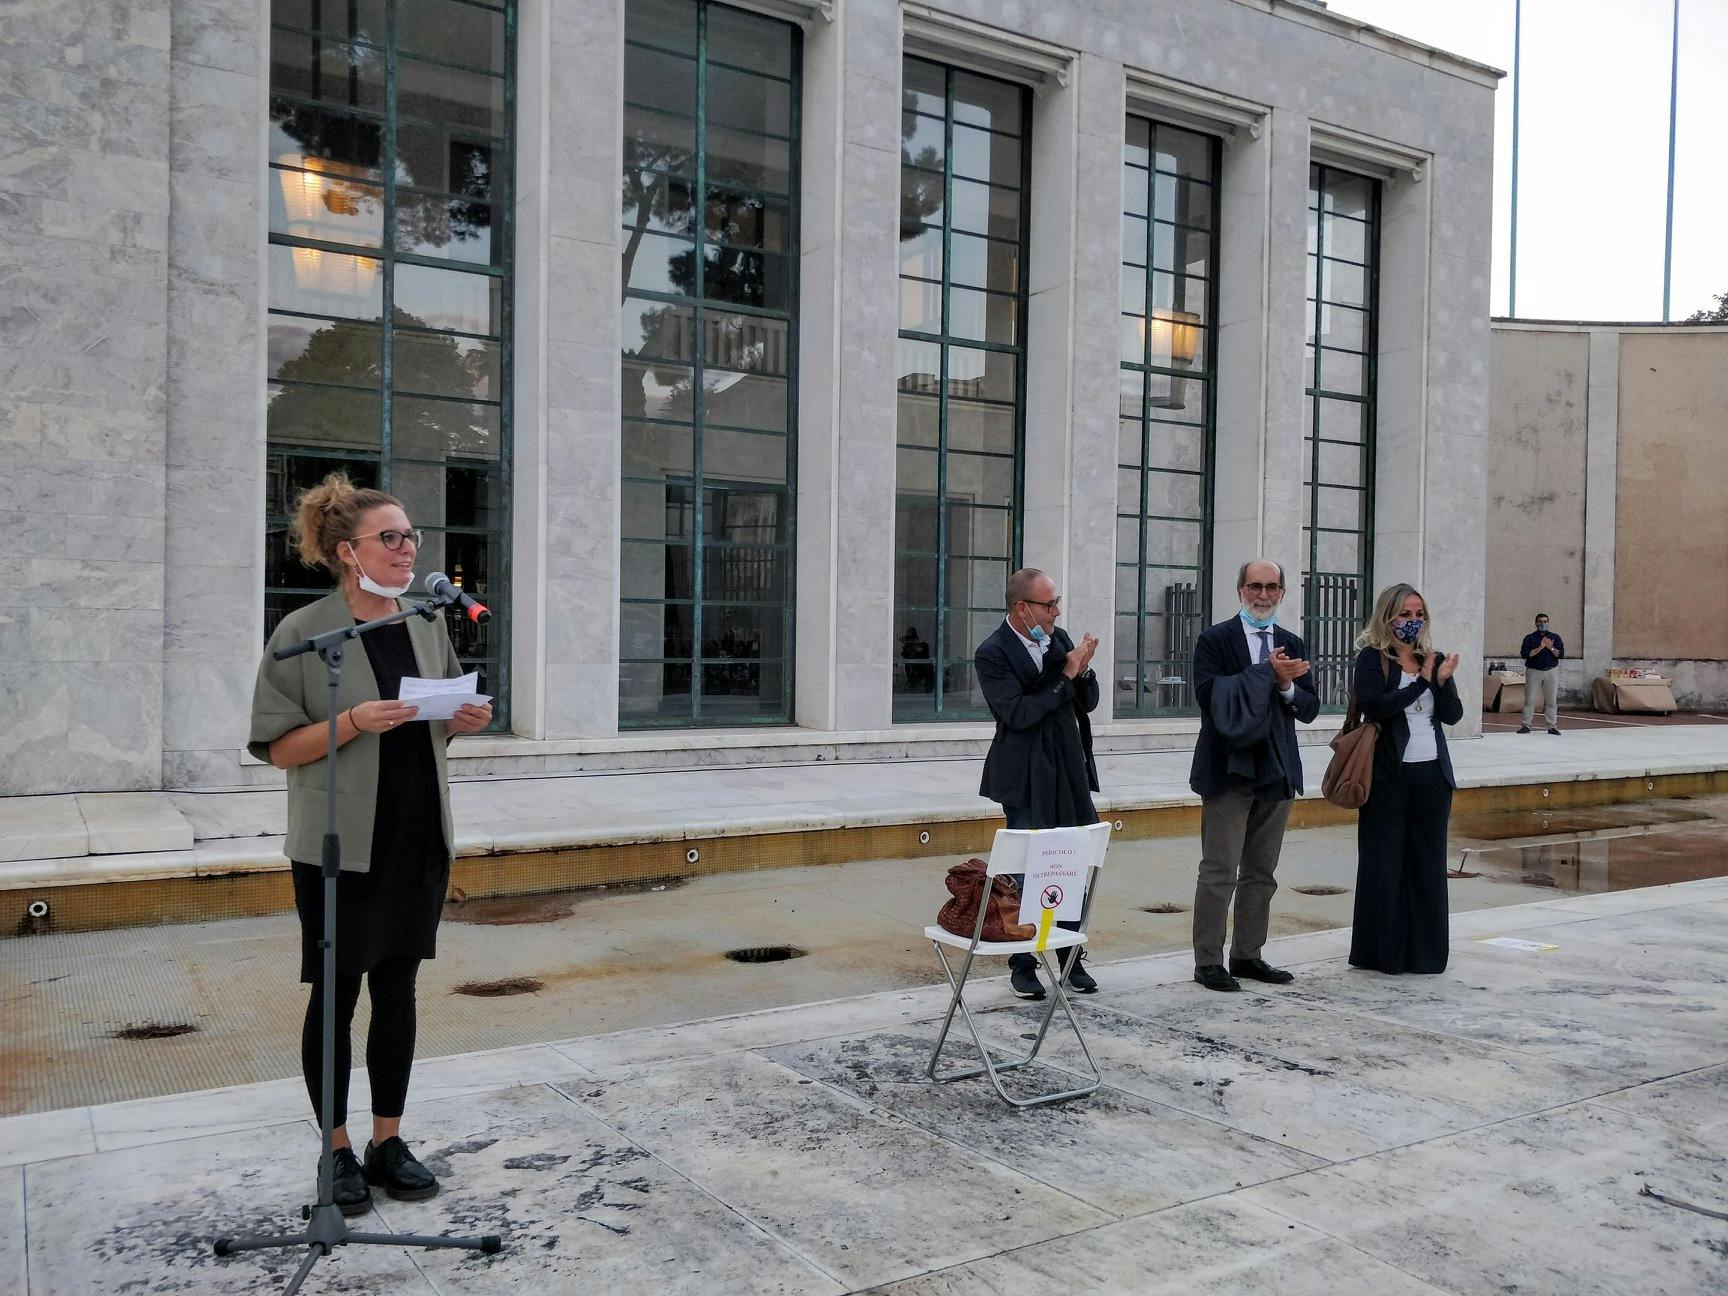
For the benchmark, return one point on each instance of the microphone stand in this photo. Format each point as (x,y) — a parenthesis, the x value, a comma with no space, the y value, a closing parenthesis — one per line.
(326,1228)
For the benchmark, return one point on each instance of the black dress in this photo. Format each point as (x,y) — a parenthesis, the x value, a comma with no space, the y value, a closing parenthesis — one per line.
(392,911)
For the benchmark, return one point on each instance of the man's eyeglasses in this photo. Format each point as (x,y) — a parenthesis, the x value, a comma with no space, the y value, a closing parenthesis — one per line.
(1260,587)
(1052,604)
(393,540)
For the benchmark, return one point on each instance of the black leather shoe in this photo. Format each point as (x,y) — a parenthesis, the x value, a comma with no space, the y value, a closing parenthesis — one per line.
(391,1166)
(1523,728)
(1023,976)
(1214,977)
(1260,970)
(1554,729)
(1074,972)
(348,1181)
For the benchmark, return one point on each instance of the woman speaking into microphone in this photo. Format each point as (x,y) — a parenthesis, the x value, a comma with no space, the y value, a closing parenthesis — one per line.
(393,810)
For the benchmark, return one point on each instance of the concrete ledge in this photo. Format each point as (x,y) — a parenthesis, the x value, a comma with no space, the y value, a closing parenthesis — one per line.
(518,836)
(127,822)
(41,827)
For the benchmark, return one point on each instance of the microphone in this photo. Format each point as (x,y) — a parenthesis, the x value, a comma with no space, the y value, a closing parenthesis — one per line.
(438,585)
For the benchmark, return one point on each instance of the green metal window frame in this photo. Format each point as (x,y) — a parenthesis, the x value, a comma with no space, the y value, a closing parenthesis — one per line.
(701,306)
(499,472)
(1336,603)
(1150,697)
(944,341)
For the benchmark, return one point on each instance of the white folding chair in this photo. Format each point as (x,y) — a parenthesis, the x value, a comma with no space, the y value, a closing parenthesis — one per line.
(1009,854)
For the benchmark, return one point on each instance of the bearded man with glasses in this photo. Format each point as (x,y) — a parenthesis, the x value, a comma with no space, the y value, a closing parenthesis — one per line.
(1252,682)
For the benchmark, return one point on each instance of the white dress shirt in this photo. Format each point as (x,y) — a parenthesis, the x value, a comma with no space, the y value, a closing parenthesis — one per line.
(1288,692)
(1033,647)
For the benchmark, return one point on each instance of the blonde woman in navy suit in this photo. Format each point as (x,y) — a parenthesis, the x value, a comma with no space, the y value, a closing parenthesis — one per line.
(1407,688)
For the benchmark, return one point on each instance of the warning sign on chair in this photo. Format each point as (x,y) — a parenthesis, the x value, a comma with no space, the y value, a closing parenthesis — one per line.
(1055,875)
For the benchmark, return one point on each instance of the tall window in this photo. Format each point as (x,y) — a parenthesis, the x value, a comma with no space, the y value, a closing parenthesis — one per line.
(1164,461)
(391,127)
(1338,418)
(963,202)
(709,238)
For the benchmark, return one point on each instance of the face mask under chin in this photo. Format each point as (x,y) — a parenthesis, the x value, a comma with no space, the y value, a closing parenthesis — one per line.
(373,587)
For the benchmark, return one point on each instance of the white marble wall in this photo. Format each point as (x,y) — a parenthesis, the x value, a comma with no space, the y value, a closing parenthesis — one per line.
(131,425)
(1082,166)
(579,590)
(214,502)
(84,203)
(850,215)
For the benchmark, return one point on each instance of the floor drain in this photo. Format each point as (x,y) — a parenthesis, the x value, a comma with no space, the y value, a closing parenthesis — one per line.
(1320,890)
(154,1031)
(765,953)
(1164,908)
(498,989)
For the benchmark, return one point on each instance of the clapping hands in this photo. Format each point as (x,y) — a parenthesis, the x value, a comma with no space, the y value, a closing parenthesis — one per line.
(1081,658)
(1287,669)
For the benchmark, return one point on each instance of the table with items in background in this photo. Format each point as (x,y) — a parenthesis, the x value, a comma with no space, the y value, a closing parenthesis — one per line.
(1649,694)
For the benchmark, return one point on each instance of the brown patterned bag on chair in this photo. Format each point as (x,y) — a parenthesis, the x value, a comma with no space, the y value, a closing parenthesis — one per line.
(960,914)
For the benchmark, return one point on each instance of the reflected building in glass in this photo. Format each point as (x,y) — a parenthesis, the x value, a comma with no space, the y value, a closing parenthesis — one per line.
(735,354)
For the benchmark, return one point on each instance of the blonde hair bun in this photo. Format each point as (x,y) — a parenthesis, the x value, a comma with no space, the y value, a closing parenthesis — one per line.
(327,514)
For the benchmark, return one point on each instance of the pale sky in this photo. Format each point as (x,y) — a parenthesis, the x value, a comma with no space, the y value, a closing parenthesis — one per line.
(1593,146)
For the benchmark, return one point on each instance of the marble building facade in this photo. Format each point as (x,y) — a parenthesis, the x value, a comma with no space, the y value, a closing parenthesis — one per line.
(135,211)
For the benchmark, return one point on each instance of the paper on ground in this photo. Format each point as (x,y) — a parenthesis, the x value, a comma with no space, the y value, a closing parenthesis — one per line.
(1513,942)
(439,698)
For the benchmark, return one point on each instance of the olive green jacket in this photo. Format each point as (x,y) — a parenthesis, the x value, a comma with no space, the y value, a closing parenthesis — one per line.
(295,692)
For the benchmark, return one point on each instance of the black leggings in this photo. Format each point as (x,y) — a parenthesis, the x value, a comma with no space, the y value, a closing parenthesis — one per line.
(389,1042)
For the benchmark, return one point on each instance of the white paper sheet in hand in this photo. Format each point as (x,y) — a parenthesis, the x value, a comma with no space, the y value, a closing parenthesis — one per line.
(438,698)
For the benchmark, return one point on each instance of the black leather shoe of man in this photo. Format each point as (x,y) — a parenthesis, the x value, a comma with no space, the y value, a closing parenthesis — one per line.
(348,1182)
(1214,977)
(1023,976)
(1260,970)
(1523,728)
(1078,978)
(391,1166)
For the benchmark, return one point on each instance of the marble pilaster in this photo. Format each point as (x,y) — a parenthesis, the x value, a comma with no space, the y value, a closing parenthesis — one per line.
(1283,460)
(1077,154)
(577,251)
(83,353)
(1601,476)
(867,322)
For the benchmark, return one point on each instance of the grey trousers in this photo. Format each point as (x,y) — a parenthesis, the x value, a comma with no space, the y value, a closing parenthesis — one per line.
(1240,837)
(1535,681)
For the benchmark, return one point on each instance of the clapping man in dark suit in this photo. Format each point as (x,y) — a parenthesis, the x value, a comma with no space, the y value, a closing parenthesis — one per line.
(1040,688)
(1251,679)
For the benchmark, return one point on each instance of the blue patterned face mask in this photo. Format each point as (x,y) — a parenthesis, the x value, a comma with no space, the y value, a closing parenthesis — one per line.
(1408,631)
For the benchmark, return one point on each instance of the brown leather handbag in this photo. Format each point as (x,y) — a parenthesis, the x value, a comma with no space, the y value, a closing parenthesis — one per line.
(1350,772)
(960,914)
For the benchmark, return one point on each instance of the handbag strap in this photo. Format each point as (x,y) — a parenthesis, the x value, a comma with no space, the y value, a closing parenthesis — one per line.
(1353,715)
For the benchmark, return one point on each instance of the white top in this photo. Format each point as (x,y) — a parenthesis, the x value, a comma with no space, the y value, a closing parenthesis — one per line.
(1288,692)
(1420,714)
(1033,647)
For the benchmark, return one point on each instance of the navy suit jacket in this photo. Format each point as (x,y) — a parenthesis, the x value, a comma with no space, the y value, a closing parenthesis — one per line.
(1223,650)
(1041,758)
